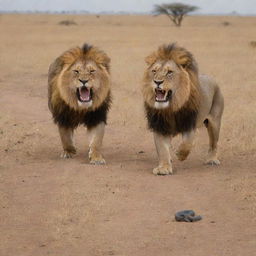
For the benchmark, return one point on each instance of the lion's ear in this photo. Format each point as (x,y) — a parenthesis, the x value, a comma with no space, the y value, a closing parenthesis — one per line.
(105,62)
(151,59)
(185,60)
(71,55)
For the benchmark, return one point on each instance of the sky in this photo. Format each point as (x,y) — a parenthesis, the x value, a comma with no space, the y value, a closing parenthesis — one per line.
(243,7)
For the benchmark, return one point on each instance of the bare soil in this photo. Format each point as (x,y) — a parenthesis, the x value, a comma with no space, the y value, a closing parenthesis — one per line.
(51,206)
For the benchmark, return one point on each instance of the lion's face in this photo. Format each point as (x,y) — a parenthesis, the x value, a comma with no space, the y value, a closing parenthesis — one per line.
(167,85)
(84,79)
(164,77)
(168,78)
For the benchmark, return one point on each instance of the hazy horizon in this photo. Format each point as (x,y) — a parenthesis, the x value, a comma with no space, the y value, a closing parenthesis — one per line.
(243,7)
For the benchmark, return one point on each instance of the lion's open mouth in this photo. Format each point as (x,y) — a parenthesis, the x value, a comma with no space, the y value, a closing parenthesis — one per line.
(84,94)
(162,95)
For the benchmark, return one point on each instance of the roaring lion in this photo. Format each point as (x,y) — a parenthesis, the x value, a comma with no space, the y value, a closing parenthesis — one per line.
(178,101)
(79,93)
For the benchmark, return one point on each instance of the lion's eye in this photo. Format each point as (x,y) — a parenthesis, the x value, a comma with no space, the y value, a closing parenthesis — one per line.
(76,71)
(153,71)
(169,72)
(92,71)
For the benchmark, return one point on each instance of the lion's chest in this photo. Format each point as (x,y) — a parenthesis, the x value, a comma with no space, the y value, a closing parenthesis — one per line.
(171,123)
(67,117)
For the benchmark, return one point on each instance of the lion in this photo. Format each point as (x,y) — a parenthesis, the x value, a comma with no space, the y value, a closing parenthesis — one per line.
(178,100)
(79,93)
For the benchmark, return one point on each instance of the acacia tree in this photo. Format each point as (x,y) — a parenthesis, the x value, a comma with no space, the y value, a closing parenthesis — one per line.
(175,11)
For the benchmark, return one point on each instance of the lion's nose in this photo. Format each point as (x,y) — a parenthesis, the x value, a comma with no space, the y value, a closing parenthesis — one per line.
(83,81)
(158,82)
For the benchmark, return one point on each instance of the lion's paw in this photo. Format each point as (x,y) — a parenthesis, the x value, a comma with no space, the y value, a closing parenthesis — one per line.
(67,154)
(98,161)
(96,158)
(182,154)
(163,170)
(214,161)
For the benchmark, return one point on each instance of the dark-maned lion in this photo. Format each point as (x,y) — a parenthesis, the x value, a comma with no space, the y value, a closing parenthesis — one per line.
(177,101)
(79,93)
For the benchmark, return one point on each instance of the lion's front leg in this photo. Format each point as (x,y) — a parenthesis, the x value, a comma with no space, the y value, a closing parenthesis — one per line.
(163,150)
(66,136)
(186,145)
(96,133)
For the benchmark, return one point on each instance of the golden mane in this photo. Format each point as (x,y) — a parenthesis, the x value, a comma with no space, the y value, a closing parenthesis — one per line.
(59,93)
(186,100)
(186,62)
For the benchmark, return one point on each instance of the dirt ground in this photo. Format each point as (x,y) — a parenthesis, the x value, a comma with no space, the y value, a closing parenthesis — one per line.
(51,206)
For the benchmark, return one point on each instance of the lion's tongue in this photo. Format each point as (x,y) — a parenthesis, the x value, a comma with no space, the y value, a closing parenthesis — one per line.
(84,94)
(160,95)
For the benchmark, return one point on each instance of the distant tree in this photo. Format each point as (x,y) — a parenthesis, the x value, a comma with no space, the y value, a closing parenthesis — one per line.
(175,11)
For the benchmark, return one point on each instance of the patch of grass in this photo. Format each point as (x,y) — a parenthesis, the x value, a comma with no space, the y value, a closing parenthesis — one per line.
(226,23)
(253,44)
(67,22)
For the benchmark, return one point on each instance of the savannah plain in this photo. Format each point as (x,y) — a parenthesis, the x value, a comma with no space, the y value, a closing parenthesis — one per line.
(51,206)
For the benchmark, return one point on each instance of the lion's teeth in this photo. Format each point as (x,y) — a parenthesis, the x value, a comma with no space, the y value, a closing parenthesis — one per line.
(84,94)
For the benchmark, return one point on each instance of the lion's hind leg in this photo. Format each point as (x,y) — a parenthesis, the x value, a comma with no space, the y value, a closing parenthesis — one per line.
(186,145)
(96,133)
(213,123)
(213,129)
(66,136)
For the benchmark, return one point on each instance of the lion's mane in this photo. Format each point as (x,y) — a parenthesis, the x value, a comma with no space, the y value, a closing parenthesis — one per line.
(63,103)
(181,114)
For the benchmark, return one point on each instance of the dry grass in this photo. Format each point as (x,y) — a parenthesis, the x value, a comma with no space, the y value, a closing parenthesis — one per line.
(67,22)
